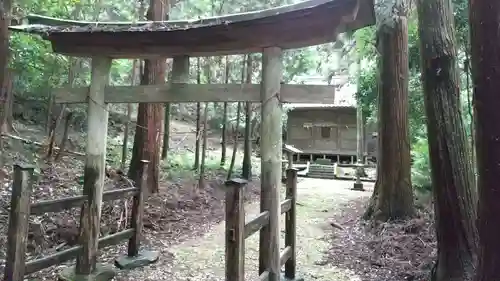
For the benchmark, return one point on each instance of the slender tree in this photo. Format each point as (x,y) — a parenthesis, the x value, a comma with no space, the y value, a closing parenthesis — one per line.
(393,195)
(453,182)
(135,71)
(224,119)
(198,121)
(247,151)
(5,18)
(208,75)
(485,59)
(235,145)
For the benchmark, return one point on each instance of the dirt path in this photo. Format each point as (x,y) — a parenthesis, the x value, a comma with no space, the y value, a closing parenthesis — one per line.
(203,258)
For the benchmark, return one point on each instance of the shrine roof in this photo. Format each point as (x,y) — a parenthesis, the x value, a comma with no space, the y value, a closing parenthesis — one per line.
(299,25)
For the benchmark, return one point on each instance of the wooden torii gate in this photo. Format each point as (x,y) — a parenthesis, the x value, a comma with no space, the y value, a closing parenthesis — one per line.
(269,31)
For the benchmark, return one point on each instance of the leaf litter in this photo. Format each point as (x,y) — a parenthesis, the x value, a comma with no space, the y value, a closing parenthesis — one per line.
(185,225)
(390,251)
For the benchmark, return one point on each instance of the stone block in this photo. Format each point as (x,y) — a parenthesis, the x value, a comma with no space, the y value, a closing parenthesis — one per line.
(101,273)
(142,259)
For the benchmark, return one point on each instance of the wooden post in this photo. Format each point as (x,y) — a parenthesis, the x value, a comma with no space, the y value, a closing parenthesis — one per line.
(271,154)
(18,223)
(358,185)
(97,131)
(291,223)
(235,226)
(290,160)
(138,210)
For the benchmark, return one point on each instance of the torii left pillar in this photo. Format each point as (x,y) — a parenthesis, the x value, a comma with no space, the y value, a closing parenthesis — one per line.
(94,175)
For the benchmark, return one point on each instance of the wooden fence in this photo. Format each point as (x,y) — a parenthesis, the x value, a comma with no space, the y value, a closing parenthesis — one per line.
(21,208)
(237,230)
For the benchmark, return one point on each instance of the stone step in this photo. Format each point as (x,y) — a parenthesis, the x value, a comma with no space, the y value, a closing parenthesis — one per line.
(321,176)
(322,168)
(322,172)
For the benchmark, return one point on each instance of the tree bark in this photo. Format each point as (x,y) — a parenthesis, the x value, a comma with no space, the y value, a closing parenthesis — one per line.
(5,18)
(147,140)
(136,70)
(395,196)
(198,121)
(485,58)
(224,120)
(166,132)
(453,182)
(236,131)
(64,140)
(247,151)
(201,181)
(235,146)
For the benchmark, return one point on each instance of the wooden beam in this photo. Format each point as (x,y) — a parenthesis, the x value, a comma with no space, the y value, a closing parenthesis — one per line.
(97,131)
(182,92)
(68,254)
(256,224)
(271,156)
(58,205)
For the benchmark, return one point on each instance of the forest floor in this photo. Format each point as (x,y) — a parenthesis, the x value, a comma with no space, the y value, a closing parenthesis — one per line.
(185,223)
(333,243)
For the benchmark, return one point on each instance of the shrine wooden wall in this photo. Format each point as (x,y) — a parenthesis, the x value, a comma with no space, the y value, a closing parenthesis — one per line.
(324,130)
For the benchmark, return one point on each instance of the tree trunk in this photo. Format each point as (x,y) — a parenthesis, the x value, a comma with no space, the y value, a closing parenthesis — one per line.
(201,181)
(64,140)
(235,146)
(166,132)
(224,136)
(198,121)
(5,17)
(485,58)
(395,195)
(7,99)
(136,70)
(147,140)
(451,169)
(247,151)
(224,121)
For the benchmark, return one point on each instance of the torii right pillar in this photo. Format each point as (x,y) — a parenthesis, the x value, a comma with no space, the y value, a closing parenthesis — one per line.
(271,156)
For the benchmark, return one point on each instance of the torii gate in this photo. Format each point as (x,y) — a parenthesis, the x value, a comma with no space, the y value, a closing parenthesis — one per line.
(269,31)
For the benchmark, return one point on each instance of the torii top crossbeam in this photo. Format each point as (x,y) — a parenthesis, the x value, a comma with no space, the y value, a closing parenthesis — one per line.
(307,23)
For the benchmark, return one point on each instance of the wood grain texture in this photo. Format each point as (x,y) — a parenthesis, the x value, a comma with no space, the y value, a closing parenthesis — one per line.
(182,92)
(293,26)
(94,173)
(235,231)
(68,254)
(256,224)
(59,205)
(271,156)
(136,223)
(291,224)
(17,234)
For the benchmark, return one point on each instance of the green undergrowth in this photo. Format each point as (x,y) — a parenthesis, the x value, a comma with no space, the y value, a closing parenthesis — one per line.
(180,163)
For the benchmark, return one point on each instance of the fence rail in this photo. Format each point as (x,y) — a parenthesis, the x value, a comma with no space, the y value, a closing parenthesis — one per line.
(237,230)
(16,266)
